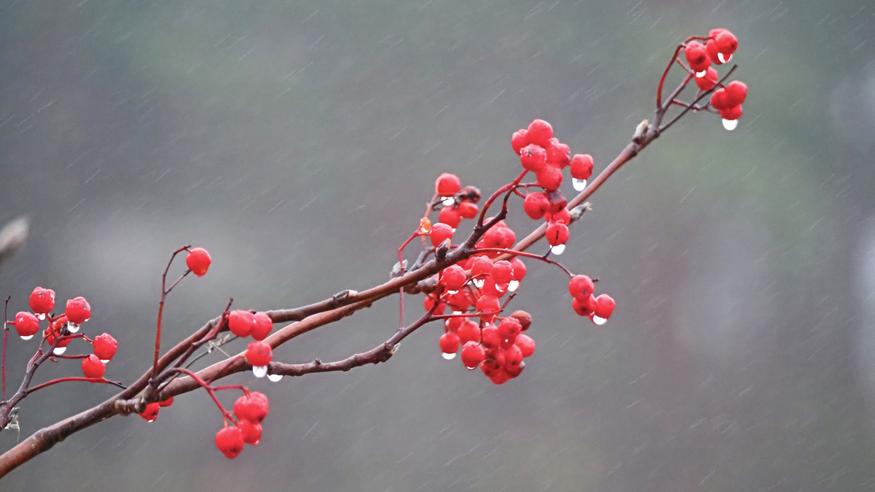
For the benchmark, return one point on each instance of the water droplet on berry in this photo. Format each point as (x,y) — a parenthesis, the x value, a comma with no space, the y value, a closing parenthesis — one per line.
(26,338)
(723,58)
(448,201)
(449,356)
(471,368)
(259,371)
(513,285)
(105,361)
(274,378)
(452,292)
(578,184)
(41,316)
(730,124)
(73,327)
(59,350)
(701,74)
(598,320)
(478,282)
(151,420)
(558,249)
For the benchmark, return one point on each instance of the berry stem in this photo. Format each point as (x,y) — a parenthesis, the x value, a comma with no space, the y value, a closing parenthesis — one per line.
(5,342)
(164,292)
(53,382)
(210,391)
(509,187)
(526,254)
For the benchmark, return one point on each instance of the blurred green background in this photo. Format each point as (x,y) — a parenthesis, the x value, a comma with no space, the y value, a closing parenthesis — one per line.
(298,141)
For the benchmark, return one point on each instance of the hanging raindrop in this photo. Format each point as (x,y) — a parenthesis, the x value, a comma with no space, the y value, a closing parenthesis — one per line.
(274,378)
(105,361)
(558,249)
(598,320)
(578,184)
(724,59)
(730,124)
(479,282)
(513,285)
(701,74)
(59,350)
(452,292)
(448,201)
(449,356)
(259,371)
(26,338)
(73,327)
(41,316)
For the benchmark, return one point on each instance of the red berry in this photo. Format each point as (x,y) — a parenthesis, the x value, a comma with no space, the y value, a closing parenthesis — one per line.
(439,233)
(732,113)
(489,337)
(583,307)
(468,210)
(550,178)
(473,354)
(581,166)
(557,202)
(736,93)
(447,184)
(241,322)
(104,346)
(26,324)
(42,300)
(518,140)
(502,272)
(526,345)
(258,354)
(513,357)
(78,310)
(453,277)
(726,43)
(468,331)
(498,377)
(450,216)
(536,205)
(581,287)
(720,100)
(198,261)
(449,343)
(533,157)
(540,132)
(251,431)
(253,407)
(558,153)
(519,269)
(696,56)
(92,367)
(563,216)
(150,413)
(489,306)
(604,306)
(481,266)
(229,440)
(523,317)
(557,233)
(707,82)
(263,325)
(509,328)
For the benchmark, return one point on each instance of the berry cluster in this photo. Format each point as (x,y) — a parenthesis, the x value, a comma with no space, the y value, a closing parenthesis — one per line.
(250,410)
(256,325)
(476,290)
(718,49)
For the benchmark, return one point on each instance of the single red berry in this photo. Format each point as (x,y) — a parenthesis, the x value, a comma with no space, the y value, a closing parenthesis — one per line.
(450,216)
(166,402)
(507,237)
(533,157)
(736,93)
(513,357)
(581,166)
(26,324)
(468,331)
(726,43)
(499,377)
(563,216)
(253,407)
(473,354)
(519,269)
(583,307)
(558,153)
(449,343)
(523,317)
(229,440)
(708,81)
(489,337)
(732,113)
(447,184)
(540,132)
(536,205)
(150,413)
(459,301)
(241,322)
(581,287)
(198,260)
(481,266)
(78,310)
(453,324)
(42,300)
(453,277)
(696,56)
(263,325)
(550,178)
(557,202)
(604,306)
(440,232)
(515,370)
(92,367)
(104,346)
(719,100)
(509,328)
(468,210)
(502,272)
(526,345)
(557,233)
(258,354)
(489,306)
(428,303)
(251,431)
(518,140)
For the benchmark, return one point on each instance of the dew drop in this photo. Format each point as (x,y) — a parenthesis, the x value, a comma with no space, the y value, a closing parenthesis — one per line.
(59,350)
(730,124)
(457,312)
(27,337)
(724,59)
(578,184)
(598,320)
(41,316)
(448,201)
(259,371)
(479,282)
(449,356)
(471,368)
(73,327)
(274,378)
(513,285)
(452,292)
(151,420)
(558,249)
(105,361)
(701,74)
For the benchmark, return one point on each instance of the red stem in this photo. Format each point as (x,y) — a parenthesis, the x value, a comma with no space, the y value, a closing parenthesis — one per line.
(164,291)
(526,254)
(53,382)
(210,391)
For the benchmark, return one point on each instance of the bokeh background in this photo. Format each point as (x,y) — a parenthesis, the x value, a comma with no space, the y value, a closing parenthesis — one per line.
(298,140)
